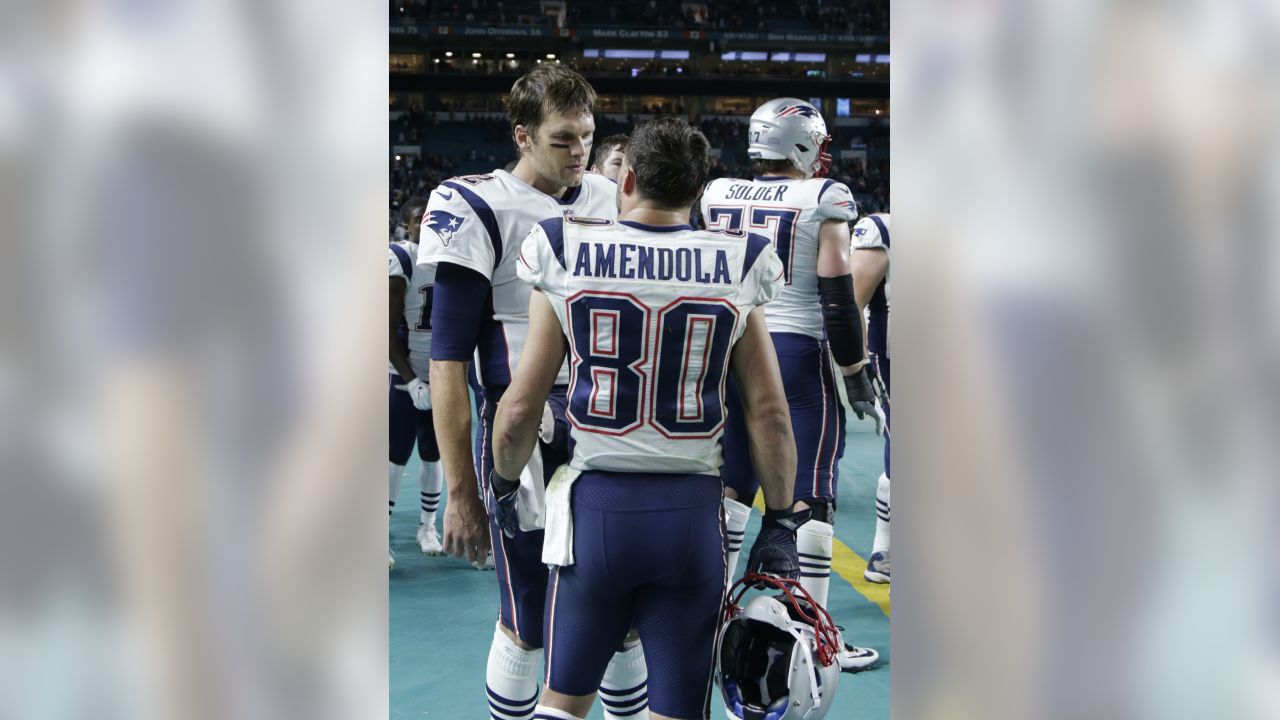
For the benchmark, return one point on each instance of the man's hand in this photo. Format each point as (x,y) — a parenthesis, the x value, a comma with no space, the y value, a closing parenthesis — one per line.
(420,391)
(862,397)
(466,528)
(501,500)
(774,552)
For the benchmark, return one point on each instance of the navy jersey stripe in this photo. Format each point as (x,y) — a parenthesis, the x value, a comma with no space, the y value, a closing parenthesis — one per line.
(755,245)
(406,265)
(884,231)
(554,228)
(570,195)
(654,228)
(829,182)
(487,218)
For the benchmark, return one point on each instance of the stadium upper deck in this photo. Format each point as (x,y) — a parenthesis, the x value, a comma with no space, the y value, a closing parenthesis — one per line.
(452,63)
(849,16)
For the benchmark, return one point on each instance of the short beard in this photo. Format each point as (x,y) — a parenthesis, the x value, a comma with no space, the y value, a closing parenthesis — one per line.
(555,178)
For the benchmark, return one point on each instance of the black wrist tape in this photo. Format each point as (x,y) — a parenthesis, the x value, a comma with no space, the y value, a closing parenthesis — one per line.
(840,314)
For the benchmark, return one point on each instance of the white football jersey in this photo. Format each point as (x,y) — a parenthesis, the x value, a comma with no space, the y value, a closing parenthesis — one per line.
(789,213)
(417,303)
(651,315)
(479,221)
(870,233)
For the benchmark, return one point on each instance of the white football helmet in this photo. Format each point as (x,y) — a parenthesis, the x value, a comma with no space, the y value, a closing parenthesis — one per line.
(776,655)
(790,129)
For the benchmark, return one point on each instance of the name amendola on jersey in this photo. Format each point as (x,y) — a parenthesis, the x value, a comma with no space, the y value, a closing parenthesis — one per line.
(625,261)
(624,278)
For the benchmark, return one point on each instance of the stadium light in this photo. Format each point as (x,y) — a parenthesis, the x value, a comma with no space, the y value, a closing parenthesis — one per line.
(448,53)
(551,56)
(397,158)
(435,60)
(475,55)
(510,55)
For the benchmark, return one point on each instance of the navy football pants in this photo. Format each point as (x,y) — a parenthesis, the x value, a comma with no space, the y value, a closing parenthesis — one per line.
(817,421)
(522,577)
(649,553)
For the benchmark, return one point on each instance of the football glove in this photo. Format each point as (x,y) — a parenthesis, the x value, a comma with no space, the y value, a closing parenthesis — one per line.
(501,500)
(862,397)
(420,391)
(774,552)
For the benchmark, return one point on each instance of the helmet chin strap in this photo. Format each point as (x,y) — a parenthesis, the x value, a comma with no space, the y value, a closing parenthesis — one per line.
(814,695)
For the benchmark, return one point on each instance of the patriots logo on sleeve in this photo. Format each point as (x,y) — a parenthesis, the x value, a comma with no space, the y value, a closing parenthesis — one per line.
(859,231)
(444,224)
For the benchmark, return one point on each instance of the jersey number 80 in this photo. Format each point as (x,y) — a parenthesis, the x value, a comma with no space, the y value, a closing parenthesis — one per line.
(609,339)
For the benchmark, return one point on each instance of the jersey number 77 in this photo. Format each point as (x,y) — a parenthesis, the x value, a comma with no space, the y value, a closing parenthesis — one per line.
(777,224)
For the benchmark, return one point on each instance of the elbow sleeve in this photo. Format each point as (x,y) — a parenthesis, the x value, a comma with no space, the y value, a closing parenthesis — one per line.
(457,311)
(840,315)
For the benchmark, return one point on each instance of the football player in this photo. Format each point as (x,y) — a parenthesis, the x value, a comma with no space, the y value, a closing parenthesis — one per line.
(870,261)
(806,218)
(410,397)
(471,239)
(653,315)
(609,152)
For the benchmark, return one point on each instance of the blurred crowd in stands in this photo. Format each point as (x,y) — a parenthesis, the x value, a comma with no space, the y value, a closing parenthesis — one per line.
(488,147)
(834,16)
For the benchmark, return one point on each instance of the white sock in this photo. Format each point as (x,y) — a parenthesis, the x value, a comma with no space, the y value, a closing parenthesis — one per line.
(881,543)
(394,472)
(542,712)
(429,481)
(813,543)
(511,679)
(624,691)
(736,516)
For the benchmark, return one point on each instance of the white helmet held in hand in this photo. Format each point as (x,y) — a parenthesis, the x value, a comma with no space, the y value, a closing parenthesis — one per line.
(776,655)
(790,129)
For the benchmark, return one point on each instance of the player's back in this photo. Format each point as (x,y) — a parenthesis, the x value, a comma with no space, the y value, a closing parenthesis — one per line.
(651,315)
(789,212)
(478,222)
(416,323)
(872,233)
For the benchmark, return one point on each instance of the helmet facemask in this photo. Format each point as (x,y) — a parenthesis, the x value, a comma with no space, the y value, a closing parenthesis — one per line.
(776,656)
(824,158)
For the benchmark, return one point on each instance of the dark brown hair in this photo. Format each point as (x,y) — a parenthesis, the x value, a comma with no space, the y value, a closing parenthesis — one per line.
(411,213)
(772,167)
(546,89)
(412,210)
(606,146)
(671,160)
